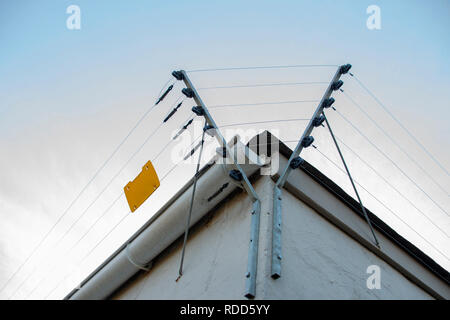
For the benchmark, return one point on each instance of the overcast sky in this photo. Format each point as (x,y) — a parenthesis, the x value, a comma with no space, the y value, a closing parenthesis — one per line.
(68,97)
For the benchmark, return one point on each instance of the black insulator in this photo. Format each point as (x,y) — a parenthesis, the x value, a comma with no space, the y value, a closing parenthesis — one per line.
(307,141)
(327,103)
(296,162)
(198,110)
(183,128)
(173,112)
(336,85)
(345,68)
(164,94)
(318,121)
(170,115)
(236,175)
(188,92)
(187,124)
(178,75)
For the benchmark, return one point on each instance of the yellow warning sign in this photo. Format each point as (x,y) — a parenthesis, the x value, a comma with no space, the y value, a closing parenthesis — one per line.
(138,190)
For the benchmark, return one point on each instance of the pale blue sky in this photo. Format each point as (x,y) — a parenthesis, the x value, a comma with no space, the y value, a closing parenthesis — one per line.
(67,97)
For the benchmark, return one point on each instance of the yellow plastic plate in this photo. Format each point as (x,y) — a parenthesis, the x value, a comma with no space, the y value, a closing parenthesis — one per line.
(138,190)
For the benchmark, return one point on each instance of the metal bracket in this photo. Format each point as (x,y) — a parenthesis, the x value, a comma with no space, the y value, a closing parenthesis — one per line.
(202,110)
(305,141)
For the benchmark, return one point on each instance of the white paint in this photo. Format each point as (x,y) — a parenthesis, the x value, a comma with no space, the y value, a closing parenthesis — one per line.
(73,22)
(374,20)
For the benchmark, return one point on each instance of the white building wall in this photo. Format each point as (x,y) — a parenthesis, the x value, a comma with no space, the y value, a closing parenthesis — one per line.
(322,262)
(319,260)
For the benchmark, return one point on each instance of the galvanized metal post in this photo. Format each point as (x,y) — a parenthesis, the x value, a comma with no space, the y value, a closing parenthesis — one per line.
(250,287)
(276,226)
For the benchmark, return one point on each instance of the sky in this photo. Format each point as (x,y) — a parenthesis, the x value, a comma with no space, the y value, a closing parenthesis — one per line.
(69,97)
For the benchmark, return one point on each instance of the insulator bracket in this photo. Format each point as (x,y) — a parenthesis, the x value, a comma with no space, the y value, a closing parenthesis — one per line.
(178,75)
(307,141)
(188,92)
(296,162)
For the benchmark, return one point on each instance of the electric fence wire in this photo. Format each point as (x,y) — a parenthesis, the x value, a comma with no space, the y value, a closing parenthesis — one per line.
(389,159)
(90,251)
(384,205)
(261,122)
(78,196)
(116,225)
(262,85)
(385,180)
(98,219)
(394,142)
(430,155)
(76,243)
(92,203)
(264,67)
(260,103)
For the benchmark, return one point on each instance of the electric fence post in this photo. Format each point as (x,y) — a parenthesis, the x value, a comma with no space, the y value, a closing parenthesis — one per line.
(295,161)
(237,174)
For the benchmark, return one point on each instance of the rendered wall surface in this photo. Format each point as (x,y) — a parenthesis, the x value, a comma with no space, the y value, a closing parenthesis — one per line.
(319,260)
(322,262)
